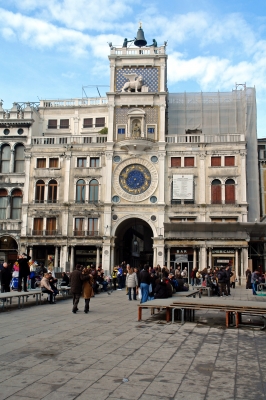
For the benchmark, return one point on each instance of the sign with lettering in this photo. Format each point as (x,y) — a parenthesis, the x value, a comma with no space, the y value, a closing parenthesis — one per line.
(183,187)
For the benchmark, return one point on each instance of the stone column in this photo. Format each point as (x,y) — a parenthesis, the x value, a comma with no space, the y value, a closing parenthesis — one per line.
(194,257)
(72,258)
(245,265)
(202,180)
(56,257)
(30,251)
(112,78)
(210,257)
(160,255)
(236,265)
(155,257)
(67,175)
(64,257)
(203,258)
(112,258)
(243,183)
(162,78)
(97,256)
(12,161)
(161,177)
(161,135)
(106,257)
(168,257)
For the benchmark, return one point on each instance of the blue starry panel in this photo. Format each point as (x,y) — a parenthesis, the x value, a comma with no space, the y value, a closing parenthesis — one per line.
(150,77)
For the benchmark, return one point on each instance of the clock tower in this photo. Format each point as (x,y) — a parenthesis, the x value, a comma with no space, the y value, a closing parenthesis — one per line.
(135,148)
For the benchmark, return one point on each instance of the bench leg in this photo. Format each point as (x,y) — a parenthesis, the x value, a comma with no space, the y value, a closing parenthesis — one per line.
(139,313)
(238,319)
(227,319)
(182,316)
(167,314)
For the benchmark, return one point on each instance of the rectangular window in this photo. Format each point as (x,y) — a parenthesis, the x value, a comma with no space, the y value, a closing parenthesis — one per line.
(94,162)
(176,162)
(79,227)
(100,122)
(82,162)
(188,161)
(53,162)
(229,161)
(216,161)
(87,123)
(52,123)
(50,226)
(93,226)
(38,226)
(3,207)
(151,129)
(16,207)
(41,162)
(64,123)
(121,131)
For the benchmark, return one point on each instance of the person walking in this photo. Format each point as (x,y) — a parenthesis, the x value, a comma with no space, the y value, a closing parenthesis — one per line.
(221,275)
(87,288)
(76,286)
(24,271)
(144,278)
(228,274)
(254,281)
(132,283)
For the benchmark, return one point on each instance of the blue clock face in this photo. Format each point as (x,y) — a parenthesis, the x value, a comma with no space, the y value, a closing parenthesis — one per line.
(135,179)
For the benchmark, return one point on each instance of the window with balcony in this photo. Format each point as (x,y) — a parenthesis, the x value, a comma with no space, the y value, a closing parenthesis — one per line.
(176,162)
(16,201)
(3,203)
(53,162)
(99,122)
(216,192)
(216,161)
(188,161)
(52,123)
(39,192)
(19,158)
(80,191)
(64,124)
(38,226)
(230,191)
(93,191)
(229,161)
(41,163)
(87,123)
(51,226)
(79,227)
(81,162)
(5,159)
(93,226)
(52,191)
(94,162)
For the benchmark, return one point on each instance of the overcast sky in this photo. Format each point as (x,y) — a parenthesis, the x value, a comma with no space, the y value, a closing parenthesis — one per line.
(51,48)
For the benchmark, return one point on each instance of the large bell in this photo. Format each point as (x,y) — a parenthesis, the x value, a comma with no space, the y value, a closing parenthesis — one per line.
(140,39)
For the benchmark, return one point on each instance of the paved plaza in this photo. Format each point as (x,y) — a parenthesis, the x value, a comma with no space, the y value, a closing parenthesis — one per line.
(47,352)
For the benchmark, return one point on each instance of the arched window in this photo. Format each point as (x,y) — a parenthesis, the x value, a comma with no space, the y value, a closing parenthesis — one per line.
(16,200)
(39,194)
(80,191)
(230,196)
(3,203)
(5,159)
(52,191)
(216,192)
(19,158)
(93,191)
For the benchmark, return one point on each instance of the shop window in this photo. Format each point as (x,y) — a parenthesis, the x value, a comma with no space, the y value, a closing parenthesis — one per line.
(176,162)
(39,192)
(93,191)
(52,191)
(216,192)
(188,161)
(229,161)
(79,227)
(94,162)
(51,226)
(3,203)
(87,123)
(216,161)
(53,162)
(100,122)
(93,226)
(41,162)
(19,158)
(52,123)
(16,201)
(5,158)
(64,123)
(37,226)
(230,191)
(80,191)
(81,162)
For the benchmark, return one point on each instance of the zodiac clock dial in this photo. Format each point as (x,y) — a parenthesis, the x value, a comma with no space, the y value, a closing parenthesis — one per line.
(135,179)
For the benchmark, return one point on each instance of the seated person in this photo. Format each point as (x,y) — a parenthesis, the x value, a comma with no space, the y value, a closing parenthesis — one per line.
(173,282)
(161,289)
(180,285)
(52,282)
(46,288)
(65,279)
(102,281)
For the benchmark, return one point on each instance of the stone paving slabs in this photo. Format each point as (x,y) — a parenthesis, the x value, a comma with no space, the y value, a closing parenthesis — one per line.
(46,352)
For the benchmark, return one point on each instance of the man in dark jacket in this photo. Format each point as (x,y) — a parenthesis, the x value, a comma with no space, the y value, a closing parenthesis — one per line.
(6,277)
(76,286)
(228,274)
(24,271)
(221,275)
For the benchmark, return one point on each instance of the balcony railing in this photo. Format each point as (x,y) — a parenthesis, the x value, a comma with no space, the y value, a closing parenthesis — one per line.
(73,102)
(71,140)
(37,201)
(85,233)
(232,138)
(37,232)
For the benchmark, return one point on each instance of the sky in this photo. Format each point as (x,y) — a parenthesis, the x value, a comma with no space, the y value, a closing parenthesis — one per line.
(51,49)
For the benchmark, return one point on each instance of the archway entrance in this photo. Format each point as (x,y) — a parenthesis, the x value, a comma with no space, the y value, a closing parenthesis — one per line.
(134,243)
(8,250)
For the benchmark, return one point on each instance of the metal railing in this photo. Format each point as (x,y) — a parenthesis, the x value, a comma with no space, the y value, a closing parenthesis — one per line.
(85,233)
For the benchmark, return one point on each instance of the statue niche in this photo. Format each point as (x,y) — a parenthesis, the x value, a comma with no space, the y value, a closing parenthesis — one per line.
(136,128)
(135,83)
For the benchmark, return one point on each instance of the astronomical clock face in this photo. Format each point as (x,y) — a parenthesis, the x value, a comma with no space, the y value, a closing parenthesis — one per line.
(135,181)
